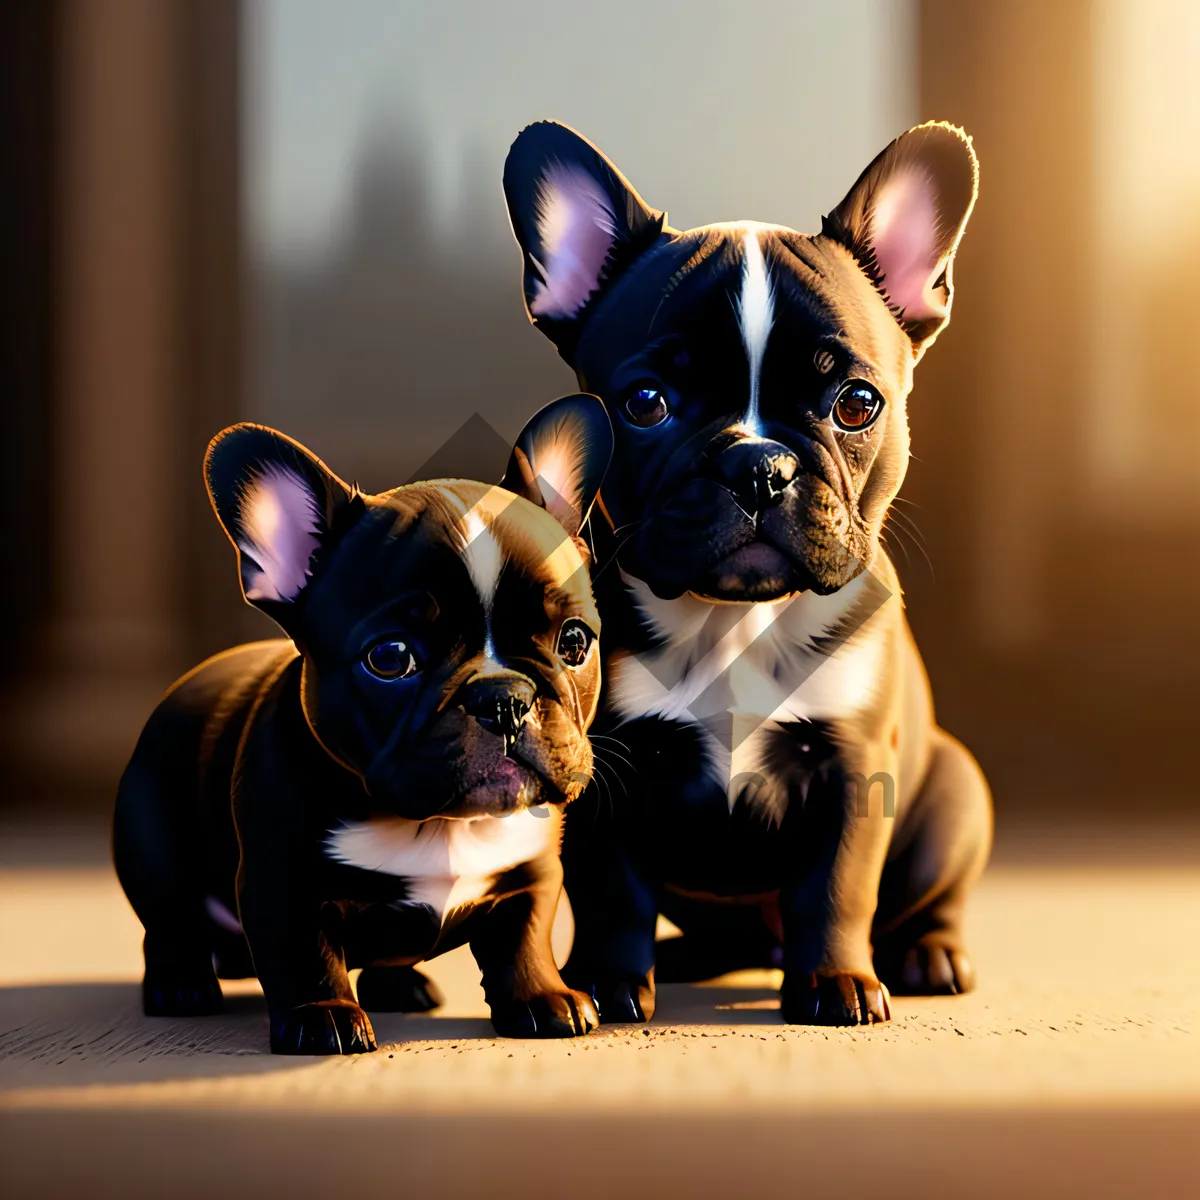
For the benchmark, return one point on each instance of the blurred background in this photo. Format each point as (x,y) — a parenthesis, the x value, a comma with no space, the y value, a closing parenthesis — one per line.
(290,211)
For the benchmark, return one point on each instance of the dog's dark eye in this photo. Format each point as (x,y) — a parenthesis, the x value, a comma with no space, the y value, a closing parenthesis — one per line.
(391,660)
(857,406)
(574,643)
(646,406)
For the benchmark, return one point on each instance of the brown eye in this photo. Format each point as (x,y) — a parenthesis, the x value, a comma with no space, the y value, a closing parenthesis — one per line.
(574,643)
(646,406)
(391,660)
(857,406)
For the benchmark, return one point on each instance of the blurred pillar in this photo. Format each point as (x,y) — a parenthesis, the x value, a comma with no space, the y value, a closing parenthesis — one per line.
(26,320)
(147,283)
(996,404)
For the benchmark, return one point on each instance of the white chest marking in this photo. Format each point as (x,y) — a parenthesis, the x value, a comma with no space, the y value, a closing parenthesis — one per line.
(447,863)
(737,672)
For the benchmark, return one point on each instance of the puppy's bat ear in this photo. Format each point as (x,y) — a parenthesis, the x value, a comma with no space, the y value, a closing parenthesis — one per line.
(281,507)
(903,221)
(578,221)
(561,457)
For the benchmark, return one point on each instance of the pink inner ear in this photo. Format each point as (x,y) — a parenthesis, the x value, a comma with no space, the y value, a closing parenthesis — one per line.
(906,238)
(279,523)
(577,229)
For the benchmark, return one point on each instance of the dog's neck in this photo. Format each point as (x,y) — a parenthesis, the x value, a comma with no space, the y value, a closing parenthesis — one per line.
(740,672)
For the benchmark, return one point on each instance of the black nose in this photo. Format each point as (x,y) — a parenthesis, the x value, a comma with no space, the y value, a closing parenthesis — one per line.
(500,702)
(758,472)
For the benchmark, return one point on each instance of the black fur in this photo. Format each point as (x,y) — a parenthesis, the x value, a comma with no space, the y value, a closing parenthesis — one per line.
(232,804)
(846,854)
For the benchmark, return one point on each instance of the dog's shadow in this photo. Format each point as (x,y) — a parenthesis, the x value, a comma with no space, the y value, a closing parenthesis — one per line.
(63,1035)
(72,1034)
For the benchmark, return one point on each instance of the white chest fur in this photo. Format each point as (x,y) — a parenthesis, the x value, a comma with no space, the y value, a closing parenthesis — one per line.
(446,863)
(738,671)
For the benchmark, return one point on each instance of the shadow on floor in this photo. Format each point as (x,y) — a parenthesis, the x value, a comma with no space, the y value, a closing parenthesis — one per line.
(63,1035)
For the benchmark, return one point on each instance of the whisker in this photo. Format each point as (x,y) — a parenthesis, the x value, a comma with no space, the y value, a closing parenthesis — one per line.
(887,542)
(905,529)
(604,791)
(911,526)
(611,763)
(908,521)
(609,740)
(608,737)
(614,755)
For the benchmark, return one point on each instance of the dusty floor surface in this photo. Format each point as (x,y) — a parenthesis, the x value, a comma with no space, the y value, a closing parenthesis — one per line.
(1075,1070)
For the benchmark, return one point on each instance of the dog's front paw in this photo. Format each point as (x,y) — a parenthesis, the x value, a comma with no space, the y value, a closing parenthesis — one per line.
(836,998)
(324,1027)
(931,968)
(620,999)
(181,990)
(397,990)
(550,1015)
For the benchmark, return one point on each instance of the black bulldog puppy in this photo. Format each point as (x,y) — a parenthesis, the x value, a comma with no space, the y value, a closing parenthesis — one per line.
(786,796)
(388,782)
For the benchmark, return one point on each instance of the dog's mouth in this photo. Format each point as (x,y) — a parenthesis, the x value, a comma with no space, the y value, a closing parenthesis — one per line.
(702,541)
(754,571)
(499,777)
(500,785)
(463,770)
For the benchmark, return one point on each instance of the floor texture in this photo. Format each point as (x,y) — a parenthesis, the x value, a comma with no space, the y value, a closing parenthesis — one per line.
(1074,1070)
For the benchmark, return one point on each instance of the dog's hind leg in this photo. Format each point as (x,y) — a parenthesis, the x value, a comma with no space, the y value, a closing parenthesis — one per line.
(397,989)
(158,849)
(936,856)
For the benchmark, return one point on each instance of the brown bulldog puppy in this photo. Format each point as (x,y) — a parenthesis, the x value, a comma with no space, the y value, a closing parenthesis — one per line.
(388,781)
(785,794)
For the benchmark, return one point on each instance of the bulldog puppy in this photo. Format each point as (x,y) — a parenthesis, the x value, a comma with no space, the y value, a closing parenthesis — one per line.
(388,781)
(785,795)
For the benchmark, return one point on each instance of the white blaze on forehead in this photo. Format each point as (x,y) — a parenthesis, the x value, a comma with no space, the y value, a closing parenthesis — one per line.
(484,560)
(482,554)
(756,315)
(279,523)
(577,228)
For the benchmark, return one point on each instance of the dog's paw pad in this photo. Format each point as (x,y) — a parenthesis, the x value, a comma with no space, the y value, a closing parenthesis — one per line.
(324,1027)
(550,1015)
(397,990)
(839,998)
